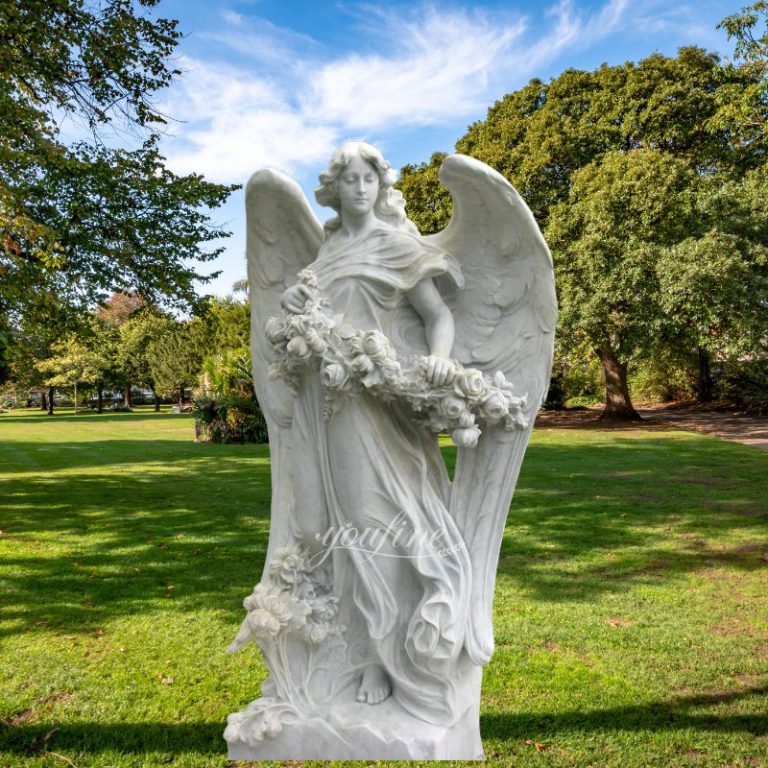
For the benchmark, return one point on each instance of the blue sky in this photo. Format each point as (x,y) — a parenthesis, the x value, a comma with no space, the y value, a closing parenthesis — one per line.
(281,84)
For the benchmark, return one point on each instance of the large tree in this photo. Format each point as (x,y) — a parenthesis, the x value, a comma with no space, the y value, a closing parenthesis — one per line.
(72,365)
(176,357)
(79,220)
(609,287)
(136,337)
(552,140)
(747,109)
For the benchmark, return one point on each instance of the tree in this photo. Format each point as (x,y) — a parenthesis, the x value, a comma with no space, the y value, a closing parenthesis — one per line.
(747,109)
(621,214)
(136,337)
(714,282)
(72,364)
(428,201)
(543,136)
(80,221)
(175,358)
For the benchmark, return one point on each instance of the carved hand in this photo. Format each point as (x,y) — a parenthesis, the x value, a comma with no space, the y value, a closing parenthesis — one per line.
(294,298)
(439,370)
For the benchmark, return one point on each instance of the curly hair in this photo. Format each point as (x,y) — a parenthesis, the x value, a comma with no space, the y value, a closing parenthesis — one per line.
(389,206)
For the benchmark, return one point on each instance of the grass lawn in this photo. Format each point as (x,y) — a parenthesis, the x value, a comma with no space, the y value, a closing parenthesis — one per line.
(631,606)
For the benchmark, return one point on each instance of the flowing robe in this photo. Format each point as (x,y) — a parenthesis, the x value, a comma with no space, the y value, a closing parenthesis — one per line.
(403,575)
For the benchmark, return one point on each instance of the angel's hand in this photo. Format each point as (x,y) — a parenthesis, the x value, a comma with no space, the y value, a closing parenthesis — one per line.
(294,298)
(439,370)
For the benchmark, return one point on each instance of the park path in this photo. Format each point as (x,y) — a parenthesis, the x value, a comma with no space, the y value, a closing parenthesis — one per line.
(749,430)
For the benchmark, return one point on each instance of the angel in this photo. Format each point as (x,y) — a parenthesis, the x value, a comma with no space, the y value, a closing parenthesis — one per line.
(368,339)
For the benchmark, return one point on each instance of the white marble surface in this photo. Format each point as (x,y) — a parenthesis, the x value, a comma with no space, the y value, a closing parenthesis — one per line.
(374,609)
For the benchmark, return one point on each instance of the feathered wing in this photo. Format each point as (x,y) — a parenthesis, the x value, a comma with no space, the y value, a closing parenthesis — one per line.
(283,237)
(505,321)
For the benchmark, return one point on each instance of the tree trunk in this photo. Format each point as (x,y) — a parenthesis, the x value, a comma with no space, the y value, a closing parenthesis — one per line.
(127,395)
(50,401)
(43,402)
(181,394)
(75,398)
(618,404)
(155,398)
(706,386)
(100,403)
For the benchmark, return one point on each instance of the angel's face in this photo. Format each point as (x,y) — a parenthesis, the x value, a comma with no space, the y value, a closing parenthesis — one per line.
(358,187)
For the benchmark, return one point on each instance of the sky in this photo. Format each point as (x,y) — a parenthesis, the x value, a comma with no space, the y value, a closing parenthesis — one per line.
(281,83)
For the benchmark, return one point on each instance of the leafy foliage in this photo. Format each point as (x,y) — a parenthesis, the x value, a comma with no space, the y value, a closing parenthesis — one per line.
(77,222)
(428,201)
(651,200)
(747,109)
(72,364)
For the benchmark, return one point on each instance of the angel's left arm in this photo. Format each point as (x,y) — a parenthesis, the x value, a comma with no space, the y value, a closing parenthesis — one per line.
(438,327)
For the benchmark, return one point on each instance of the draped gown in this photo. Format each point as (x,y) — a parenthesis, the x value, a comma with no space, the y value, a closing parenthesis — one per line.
(371,466)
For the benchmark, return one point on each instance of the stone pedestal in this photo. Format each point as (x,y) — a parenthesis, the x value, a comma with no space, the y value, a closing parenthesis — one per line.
(364,732)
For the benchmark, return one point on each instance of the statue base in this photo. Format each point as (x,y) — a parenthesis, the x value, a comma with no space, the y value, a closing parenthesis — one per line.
(365,732)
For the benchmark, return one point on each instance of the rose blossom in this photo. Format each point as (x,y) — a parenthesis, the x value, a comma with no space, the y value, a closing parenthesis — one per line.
(314,342)
(298,348)
(466,437)
(262,622)
(375,345)
(334,376)
(316,633)
(452,407)
(495,406)
(362,365)
(470,383)
(275,330)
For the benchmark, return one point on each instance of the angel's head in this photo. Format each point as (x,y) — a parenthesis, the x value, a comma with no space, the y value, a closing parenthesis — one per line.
(389,205)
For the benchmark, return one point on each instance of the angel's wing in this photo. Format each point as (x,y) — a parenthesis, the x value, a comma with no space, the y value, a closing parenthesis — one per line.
(283,237)
(505,321)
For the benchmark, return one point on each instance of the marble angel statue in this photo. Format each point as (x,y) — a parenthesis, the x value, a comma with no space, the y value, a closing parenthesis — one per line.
(374,609)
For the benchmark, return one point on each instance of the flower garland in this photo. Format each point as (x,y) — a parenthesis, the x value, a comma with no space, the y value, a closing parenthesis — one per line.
(351,361)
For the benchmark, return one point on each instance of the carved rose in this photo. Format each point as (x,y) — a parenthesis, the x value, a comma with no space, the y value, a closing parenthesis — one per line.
(470,383)
(495,406)
(334,376)
(263,623)
(324,609)
(362,365)
(298,348)
(275,330)
(316,633)
(288,567)
(452,407)
(281,606)
(375,345)
(466,419)
(466,437)
(314,342)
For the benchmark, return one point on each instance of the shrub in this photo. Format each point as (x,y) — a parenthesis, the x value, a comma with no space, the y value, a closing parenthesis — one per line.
(230,420)
(745,382)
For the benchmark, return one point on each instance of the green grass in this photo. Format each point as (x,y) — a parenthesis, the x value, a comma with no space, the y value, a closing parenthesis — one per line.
(631,610)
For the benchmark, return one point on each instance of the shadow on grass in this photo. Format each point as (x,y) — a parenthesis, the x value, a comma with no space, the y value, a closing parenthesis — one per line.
(117,527)
(680,713)
(175,521)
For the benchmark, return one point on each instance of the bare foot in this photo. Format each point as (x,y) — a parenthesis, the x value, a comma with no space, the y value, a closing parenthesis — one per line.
(374,686)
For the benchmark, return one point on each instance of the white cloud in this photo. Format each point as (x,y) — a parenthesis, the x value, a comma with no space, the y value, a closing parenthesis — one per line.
(289,101)
(439,70)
